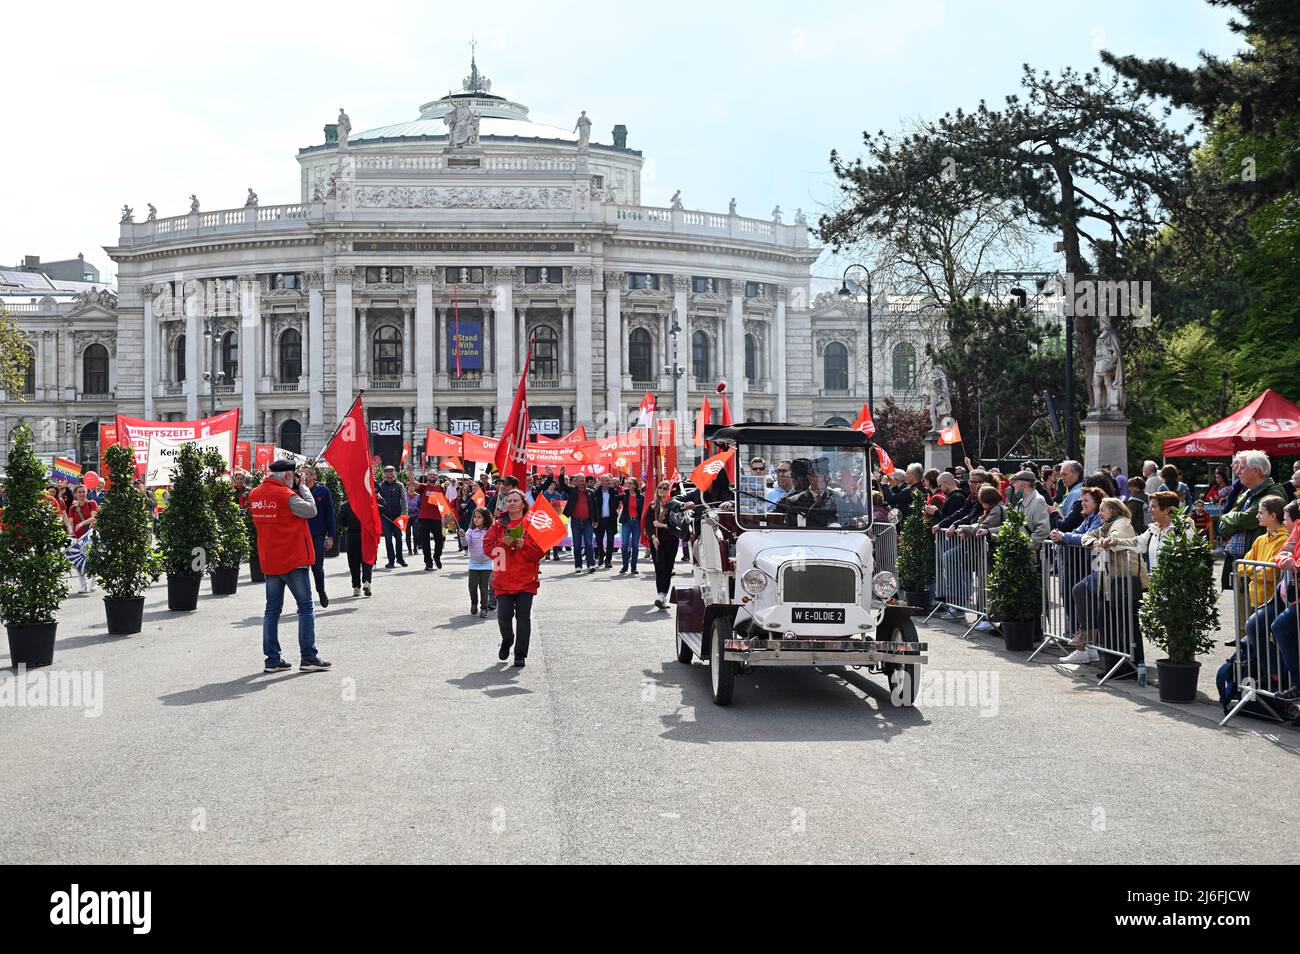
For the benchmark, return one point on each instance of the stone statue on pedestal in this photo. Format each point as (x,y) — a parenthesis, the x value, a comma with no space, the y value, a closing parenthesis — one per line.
(940,400)
(800,218)
(345,128)
(252,198)
(153,213)
(677,199)
(731,206)
(583,129)
(776,215)
(128,214)
(462,126)
(1107,370)
(194,204)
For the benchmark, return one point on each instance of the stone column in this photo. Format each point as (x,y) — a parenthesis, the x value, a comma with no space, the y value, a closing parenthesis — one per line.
(150,358)
(615,348)
(582,278)
(426,343)
(777,366)
(316,358)
(268,428)
(363,347)
(194,346)
(38,359)
(681,285)
(736,351)
(266,360)
(344,323)
(250,321)
(521,340)
(408,365)
(503,339)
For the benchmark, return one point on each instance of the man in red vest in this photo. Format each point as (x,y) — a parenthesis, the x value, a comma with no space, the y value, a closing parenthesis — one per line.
(280,507)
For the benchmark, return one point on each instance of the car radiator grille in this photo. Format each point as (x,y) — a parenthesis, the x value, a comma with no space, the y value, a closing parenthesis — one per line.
(819,583)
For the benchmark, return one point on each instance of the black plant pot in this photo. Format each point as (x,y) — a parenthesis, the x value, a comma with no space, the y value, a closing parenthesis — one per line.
(125,614)
(920,599)
(225,580)
(183,592)
(1177,680)
(1017,634)
(255,574)
(33,645)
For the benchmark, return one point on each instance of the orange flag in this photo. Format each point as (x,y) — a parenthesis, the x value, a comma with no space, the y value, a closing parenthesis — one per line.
(863,422)
(704,475)
(400,522)
(439,500)
(886,463)
(704,416)
(480,498)
(543,524)
(950,435)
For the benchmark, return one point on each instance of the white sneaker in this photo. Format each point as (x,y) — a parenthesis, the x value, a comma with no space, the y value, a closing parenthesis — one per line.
(984,626)
(1093,655)
(356,592)
(1078,657)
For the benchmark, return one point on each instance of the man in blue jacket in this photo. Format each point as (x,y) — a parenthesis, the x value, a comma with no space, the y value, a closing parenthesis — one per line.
(321,527)
(392,505)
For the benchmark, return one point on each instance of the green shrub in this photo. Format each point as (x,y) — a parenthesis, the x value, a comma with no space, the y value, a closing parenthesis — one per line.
(122,557)
(1180,609)
(915,548)
(1014,584)
(187,529)
(231,547)
(33,567)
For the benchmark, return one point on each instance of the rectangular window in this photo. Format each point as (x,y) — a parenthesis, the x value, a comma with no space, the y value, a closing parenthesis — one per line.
(464,276)
(753,289)
(598,182)
(637,280)
(703,286)
(544,275)
(384,274)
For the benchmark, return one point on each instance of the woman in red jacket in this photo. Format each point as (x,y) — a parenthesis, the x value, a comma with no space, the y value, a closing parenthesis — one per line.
(515,559)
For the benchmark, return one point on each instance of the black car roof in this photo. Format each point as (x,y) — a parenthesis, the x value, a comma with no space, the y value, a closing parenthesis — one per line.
(786,434)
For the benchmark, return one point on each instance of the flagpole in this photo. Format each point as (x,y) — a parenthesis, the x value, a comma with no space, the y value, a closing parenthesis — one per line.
(339,427)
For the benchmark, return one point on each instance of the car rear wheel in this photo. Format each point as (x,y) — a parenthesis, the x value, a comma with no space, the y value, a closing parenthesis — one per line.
(722,674)
(904,680)
(684,653)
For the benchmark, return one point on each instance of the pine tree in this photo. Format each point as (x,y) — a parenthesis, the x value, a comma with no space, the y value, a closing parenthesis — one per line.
(122,558)
(33,567)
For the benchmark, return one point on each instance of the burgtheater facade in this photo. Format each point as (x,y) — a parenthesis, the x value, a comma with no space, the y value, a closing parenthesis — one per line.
(424,259)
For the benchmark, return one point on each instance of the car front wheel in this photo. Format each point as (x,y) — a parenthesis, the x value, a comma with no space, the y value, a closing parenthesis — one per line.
(722,674)
(904,680)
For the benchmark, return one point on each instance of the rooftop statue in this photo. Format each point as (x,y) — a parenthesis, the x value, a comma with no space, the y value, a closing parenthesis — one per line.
(194,204)
(677,199)
(462,126)
(153,213)
(345,128)
(583,129)
(776,215)
(252,198)
(128,215)
(731,206)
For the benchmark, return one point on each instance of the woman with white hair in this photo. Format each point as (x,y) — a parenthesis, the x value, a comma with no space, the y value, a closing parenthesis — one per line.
(1240,525)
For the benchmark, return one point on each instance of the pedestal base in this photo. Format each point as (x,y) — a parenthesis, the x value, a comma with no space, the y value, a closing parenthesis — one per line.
(1105,441)
(937,456)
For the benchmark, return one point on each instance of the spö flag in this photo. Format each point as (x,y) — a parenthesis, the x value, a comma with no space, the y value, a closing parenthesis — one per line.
(348,452)
(543,524)
(707,472)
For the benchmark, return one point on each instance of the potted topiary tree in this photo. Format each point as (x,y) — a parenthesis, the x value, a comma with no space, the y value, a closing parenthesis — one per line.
(1179,611)
(916,555)
(122,557)
(187,530)
(1014,584)
(231,539)
(33,567)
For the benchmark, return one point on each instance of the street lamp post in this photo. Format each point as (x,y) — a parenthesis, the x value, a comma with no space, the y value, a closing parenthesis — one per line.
(213,375)
(871,349)
(675,370)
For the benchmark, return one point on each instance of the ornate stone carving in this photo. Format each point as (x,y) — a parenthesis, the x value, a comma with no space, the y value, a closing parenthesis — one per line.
(583,128)
(424,273)
(101,298)
(463,197)
(583,274)
(782,293)
(681,283)
(1107,370)
(194,204)
(615,280)
(462,126)
(251,201)
(313,279)
(128,215)
(342,245)
(343,274)
(345,128)
(737,288)
(503,275)
(81,340)
(642,320)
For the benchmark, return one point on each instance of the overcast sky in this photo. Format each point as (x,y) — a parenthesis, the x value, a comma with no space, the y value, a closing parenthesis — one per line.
(139,102)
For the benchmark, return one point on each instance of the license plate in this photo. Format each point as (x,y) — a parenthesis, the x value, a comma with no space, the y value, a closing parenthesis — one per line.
(805,614)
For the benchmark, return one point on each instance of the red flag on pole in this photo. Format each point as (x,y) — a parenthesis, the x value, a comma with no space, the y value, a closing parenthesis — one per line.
(863,422)
(348,452)
(704,475)
(950,435)
(544,525)
(511,457)
(647,416)
(886,463)
(406,452)
(705,416)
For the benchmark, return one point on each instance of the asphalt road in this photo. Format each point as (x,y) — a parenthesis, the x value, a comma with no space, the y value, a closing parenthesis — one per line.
(421,747)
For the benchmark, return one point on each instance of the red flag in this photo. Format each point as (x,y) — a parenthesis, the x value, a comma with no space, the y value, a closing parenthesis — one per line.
(439,500)
(400,521)
(452,463)
(510,459)
(647,416)
(863,422)
(479,498)
(950,435)
(406,452)
(705,416)
(349,454)
(886,464)
(543,524)
(704,475)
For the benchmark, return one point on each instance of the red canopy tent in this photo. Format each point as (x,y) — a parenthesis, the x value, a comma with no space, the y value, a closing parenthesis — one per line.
(1269,423)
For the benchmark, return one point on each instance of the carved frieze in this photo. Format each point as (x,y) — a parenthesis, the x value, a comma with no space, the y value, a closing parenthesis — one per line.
(463,197)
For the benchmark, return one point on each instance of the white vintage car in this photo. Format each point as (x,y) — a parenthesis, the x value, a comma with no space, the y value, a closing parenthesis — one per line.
(787,577)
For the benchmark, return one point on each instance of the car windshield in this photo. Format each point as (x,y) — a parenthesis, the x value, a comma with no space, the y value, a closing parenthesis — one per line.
(803,487)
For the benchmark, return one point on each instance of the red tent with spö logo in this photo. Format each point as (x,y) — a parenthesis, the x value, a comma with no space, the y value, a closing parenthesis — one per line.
(1270,423)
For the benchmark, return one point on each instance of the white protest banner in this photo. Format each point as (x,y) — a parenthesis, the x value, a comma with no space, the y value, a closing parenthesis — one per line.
(162,454)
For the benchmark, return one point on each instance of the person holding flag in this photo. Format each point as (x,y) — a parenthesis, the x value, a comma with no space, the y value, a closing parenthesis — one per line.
(392,507)
(516,575)
(348,452)
(433,509)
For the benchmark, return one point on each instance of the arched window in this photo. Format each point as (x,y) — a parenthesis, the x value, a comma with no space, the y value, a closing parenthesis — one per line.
(88,446)
(751,358)
(290,356)
(230,356)
(835,367)
(904,366)
(178,372)
(291,436)
(700,359)
(546,353)
(640,351)
(388,352)
(94,370)
(29,371)
(836,421)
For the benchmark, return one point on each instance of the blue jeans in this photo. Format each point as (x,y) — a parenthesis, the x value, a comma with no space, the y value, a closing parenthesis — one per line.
(584,538)
(299,583)
(630,539)
(1285,637)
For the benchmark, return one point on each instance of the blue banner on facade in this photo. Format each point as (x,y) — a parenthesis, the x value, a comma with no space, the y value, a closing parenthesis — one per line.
(470,334)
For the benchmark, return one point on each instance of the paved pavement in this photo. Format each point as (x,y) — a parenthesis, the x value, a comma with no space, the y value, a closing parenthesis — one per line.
(421,747)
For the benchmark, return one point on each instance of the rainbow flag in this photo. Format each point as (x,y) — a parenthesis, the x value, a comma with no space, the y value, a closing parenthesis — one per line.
(68,470)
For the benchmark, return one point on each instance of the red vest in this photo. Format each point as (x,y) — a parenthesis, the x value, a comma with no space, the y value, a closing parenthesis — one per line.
(283,539)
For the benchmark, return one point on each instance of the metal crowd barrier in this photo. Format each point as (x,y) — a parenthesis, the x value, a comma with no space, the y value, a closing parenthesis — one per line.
(961,571)
(1258,667)
(1092,595)
(884,546)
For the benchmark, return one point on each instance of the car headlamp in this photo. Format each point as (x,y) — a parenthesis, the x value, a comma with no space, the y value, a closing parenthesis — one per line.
(754,581)
(884,584)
